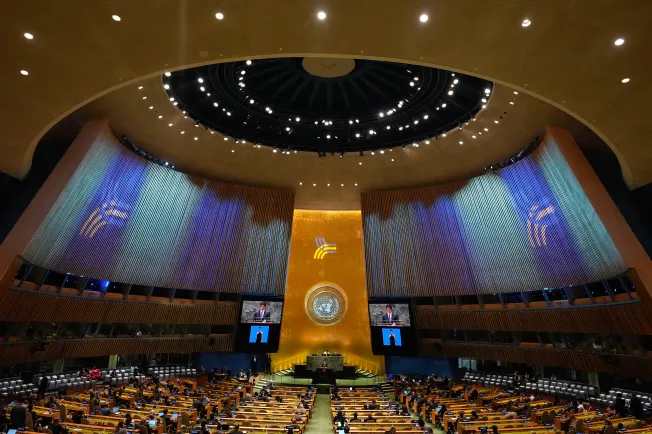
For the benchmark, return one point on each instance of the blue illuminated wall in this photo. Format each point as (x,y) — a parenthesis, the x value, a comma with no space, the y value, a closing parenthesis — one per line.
(122,218)
(525,227)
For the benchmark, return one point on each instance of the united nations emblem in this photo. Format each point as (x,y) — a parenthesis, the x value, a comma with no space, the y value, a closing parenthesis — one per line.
(326,304)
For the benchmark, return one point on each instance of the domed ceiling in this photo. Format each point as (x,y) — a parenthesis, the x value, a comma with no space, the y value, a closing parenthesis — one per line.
(326,105)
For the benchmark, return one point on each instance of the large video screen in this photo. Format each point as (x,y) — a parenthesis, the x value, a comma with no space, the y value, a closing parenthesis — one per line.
(261,311)
(389,314)
(392,337)
(258,334)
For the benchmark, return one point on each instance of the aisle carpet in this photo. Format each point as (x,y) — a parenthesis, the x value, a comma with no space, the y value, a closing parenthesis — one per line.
(320,422)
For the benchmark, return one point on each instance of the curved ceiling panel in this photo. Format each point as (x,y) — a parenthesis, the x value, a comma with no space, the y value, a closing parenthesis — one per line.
(566,55)
(326,105)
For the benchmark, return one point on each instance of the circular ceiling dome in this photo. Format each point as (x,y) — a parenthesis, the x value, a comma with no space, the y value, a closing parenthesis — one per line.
(327,105)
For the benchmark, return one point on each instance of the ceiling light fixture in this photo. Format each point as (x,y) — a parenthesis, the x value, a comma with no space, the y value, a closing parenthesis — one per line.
(248,62)
(30,36)
(219,16)
(515,93)
(461,142)
(169,125)
(196,138)
(411,83)
(116,17)
(151,107)
(321,15)
(297,119)
(624,80)
(166,86)
(160,116)
(526,23)
(486,129)
(423,18)
(23,72)
(618,42)
(450,92)
(487,91)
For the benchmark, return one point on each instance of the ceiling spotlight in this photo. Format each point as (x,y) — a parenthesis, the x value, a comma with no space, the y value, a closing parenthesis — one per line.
(328,185)
(167,74)
(183,132)
(228,113)
(423,18)
(201,80)
(321,15)
(26,74)
(248,62)
(473,137)
(196,138)
(456,81)
(243,72)
(202,88)
(171,99)
(166,86)
(496,121)
(23,72)
(443,135)
(372,132)
(300,183)
(226,138)
(350,122)
(624,80)
(388,127)
(443,105)
(160,116)
(360,163)
(328,136)
(357,134)
(382,152)
(400,128)
(287,128)
(341,185)
(219,16)
(356,184)
(526,23)
(151,107)
(30,36)
(450,92)
(215,104)
(487,91)
(169,125)
(392,159)
(511,102)
(116,17)
(461,142)
(373,153)
(618,42)
(486,129)
(357,121)
(416,78)
(411,83)
(297,119)
(381,114)
(416,145)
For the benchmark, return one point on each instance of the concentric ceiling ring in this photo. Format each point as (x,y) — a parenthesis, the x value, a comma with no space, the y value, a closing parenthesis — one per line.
(279,103)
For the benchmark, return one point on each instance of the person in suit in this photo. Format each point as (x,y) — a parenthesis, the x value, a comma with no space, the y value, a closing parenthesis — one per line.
(326,353)
(259,335)
(389,317)
(392,339)
(262,314)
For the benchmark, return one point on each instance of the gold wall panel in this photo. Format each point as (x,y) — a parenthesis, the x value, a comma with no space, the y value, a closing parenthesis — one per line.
(344,268)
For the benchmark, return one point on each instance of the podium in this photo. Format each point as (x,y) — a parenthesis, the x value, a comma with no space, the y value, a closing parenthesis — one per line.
(335,363)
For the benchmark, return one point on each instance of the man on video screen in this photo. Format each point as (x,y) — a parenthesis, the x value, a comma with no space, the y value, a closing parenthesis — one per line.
(389,317)
(262,315)
(392,339)
(259,335)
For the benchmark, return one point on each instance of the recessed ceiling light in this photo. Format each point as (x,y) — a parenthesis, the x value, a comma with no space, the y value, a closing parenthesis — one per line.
(23,72)
(226,138)
(160,116)
(202,88)
(416,121)
(201,80)
(183,132)
(392,159)
(423,18)
(287,128)
(171,99)
(515,93)
(484,99)
(381,114)
(456,81)
(486,129)
(219,16)
(297,119)
(443,105)
(356,184)
(143,97)
(166,86)
(624,80)
(248,62)
(30,36)
(373,153)
(443,135)
(461,142)
(215,104)
(389,127)
(314,185)
(328,136)
(411,83)
(450,92)
(169,125)
(427,142)
(321,15)
(357,134)
(360,163)
(511,102)
(196,138)
(328,185)
(496,121)
(487,91)
(526,23)
(251,101)
(116,17)
(473,137)
(618,42)
(341,185)
(228,113)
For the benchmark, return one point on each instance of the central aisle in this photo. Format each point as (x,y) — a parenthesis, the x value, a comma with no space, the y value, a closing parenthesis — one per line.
(320,422)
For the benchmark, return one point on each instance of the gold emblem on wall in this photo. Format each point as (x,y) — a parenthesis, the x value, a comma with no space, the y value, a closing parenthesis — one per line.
(323,248)
(326,304)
